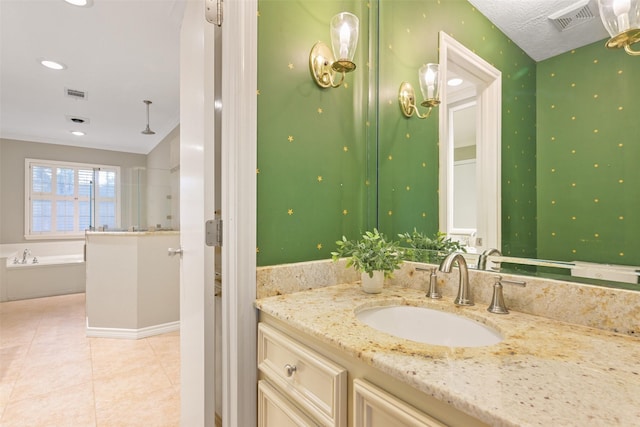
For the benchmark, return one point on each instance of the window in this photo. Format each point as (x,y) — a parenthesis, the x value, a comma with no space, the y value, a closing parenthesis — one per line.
(65,199)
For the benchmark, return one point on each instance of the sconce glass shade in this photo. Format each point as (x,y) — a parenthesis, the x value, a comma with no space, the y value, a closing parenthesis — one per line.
(344,39)
(429,77)
(621,18)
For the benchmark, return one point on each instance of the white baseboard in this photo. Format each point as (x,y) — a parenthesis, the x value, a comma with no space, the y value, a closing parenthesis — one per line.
(132,334)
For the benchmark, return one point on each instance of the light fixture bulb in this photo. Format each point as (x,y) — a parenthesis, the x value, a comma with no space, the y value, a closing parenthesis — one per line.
(345,34)
(77,133)
(52,65)
(621,6)
(621,10)
(79,3)
(429,76)
(344,38)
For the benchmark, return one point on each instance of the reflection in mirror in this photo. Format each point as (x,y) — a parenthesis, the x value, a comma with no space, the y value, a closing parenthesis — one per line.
(568,184)
(463,212)
(470,148)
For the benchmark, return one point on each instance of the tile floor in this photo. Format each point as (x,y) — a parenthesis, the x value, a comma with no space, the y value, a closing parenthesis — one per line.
(51,374)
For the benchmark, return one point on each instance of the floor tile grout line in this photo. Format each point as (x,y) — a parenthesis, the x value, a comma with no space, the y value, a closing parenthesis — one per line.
(24,359)
(93,380)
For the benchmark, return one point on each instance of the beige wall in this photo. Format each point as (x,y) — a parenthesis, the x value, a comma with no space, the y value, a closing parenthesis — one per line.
(12,155)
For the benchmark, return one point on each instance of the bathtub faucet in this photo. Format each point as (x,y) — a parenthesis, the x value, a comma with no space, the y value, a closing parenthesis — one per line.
(25,254)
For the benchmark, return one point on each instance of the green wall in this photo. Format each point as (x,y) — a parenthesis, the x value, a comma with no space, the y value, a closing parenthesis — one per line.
(312,177)
(326,180)
(408,162)
(588,154)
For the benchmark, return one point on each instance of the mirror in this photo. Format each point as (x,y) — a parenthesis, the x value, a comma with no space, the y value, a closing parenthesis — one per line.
(567,125)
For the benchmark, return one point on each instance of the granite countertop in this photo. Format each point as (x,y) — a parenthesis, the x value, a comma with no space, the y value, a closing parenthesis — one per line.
(543,373)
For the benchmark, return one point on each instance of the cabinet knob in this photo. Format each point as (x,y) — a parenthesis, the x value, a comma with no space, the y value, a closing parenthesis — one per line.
(289,369)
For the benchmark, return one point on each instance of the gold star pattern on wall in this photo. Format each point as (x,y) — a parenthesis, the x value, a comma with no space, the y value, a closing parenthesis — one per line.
(290,212)
(573,186)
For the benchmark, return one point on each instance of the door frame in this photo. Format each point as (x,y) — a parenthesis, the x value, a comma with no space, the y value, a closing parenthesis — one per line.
(239,203)
(488,136)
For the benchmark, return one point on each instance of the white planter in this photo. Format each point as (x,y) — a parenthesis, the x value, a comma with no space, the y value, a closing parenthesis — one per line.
(373,285)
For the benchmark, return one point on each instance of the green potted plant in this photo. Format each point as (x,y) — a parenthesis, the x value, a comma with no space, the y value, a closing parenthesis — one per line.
(373,256)
(429,249)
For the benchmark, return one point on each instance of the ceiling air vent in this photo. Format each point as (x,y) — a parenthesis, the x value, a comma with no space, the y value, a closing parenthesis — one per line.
(75,94)
(576,14)
(78,120)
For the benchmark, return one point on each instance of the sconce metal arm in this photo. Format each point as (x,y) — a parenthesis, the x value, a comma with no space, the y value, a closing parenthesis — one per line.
(321,64)
(407,98)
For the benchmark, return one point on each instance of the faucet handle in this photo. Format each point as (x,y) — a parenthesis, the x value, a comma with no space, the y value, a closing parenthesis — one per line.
(497,305)
(433,283)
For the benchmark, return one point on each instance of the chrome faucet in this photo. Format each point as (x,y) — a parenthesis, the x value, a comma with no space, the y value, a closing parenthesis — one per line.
(464,295)
(25,254)
(482,259)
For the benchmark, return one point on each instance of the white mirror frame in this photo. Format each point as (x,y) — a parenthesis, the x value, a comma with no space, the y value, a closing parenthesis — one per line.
(489,104)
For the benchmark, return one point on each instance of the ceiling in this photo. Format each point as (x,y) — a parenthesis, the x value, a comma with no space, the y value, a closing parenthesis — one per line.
(123,52)
(118,52)
(527,23)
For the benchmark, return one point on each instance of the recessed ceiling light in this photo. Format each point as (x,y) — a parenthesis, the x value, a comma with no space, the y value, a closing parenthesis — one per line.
(81,3)
(454,82)
(52,64)
(77,133)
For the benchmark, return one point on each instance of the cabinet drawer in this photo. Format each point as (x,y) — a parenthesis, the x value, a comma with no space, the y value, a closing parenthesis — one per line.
(275,410)
(314,383)
(374,407)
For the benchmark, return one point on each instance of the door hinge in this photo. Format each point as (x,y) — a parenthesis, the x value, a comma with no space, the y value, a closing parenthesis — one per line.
(213,11)
(213,232)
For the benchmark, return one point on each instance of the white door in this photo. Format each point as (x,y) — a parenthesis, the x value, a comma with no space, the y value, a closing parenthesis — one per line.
(197,205)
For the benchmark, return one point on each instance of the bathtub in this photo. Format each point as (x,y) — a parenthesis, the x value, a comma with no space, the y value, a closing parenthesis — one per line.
(50,275)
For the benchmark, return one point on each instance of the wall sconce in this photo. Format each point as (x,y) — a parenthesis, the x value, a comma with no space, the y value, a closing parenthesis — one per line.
(621,18)
(429,76)
(344,39)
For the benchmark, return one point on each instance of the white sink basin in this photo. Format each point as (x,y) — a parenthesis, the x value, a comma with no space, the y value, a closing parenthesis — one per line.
(429,326)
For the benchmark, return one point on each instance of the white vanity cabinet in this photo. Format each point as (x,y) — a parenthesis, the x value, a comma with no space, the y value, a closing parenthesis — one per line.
(304,382)
(299,385)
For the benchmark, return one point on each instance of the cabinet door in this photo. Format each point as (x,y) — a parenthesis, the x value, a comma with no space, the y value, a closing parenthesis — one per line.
(274,410)
(316,384)
(374,407)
